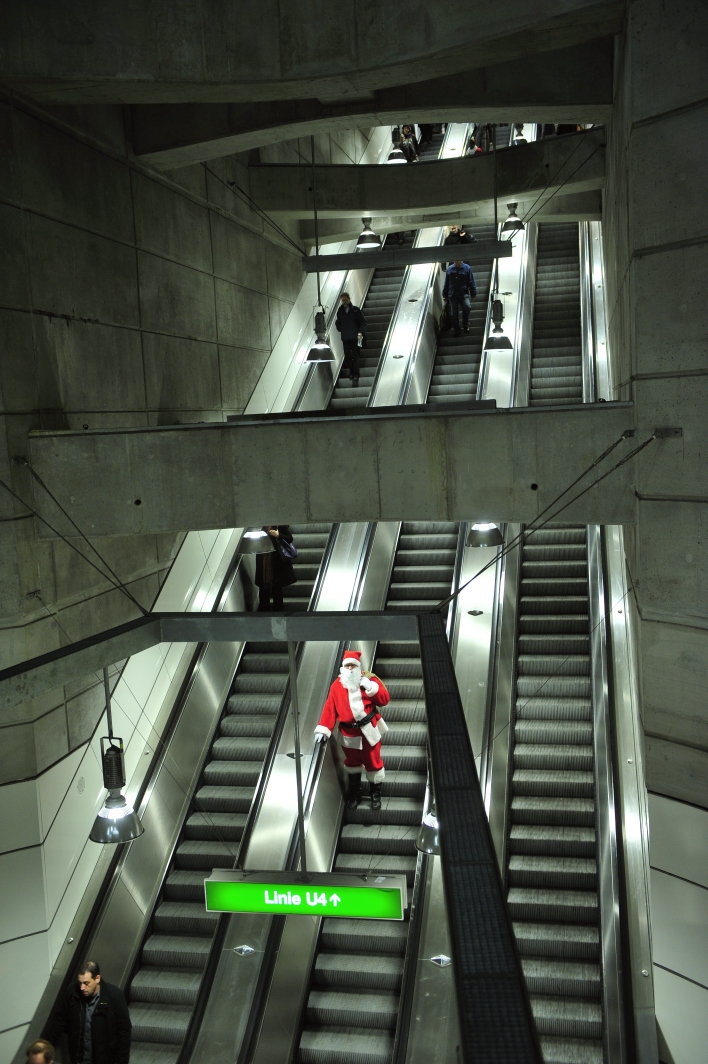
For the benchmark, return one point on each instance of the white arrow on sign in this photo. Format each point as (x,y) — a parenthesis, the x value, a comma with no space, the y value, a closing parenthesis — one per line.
(335,899)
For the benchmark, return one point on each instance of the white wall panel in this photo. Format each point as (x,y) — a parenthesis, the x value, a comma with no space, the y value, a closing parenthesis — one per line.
(53,785)
(10,1041)
(682,1014)
(22,911)
(20,993)
(679,838)
(19,816)
(680,926)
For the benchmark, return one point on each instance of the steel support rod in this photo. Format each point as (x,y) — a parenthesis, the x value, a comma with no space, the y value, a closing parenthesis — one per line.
(109,715)
(298,768)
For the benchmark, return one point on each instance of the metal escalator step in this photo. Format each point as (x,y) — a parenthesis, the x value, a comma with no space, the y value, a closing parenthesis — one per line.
(531,755)
(224,799)
(372,864)
(153,1053)
(243,725)
(378,839)
(563,906)
(184,886)
(564,1016)
(578,941)
(422,574)
(183,918)
(266,704)
(239,749)
(264,663)
(571,1050)
(568,812)
(388,668)
(353,1008)
(560,643)
(405,758)
(567,978)
(554,783)
(394,712)
(232,773)
(559,840)
(553,731)
(554,623)
(194,855)
(553,709)
(159,1023)
(344,1046)
(382,972)
(405,733)
(165,987)
(365,936)
(404,811)
(556,604)
(553,873)
(552,686)
(554,664)
(220,826)
(254,683)
(401,690)
(176,951)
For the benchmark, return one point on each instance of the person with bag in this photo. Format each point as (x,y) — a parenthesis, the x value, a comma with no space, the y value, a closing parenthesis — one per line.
(351,325)
(460,289)
(353,702)
(274,570)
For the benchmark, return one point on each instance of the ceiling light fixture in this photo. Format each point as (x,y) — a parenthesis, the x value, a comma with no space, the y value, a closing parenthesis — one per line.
(513,224)
(428,838)
(497,341)
(117,821)
(484,534)
(368,240)
(396,156)
(320,350)
(256,541)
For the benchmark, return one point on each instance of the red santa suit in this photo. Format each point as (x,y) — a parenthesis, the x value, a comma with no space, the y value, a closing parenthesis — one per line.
(346,707)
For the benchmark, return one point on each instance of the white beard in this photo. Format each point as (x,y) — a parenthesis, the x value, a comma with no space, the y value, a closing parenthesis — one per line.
(350,678)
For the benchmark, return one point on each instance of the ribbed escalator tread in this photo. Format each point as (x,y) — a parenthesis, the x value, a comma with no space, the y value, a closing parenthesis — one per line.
(359,965)
(551,863)
(556,356)
(174,953)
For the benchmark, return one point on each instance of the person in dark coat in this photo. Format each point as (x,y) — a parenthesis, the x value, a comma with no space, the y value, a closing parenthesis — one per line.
(460,289)
(273,571)
(351,325)
(95,1019)
(426,135)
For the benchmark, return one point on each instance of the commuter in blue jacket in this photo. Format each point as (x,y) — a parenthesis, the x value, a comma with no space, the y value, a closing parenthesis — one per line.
(460,289)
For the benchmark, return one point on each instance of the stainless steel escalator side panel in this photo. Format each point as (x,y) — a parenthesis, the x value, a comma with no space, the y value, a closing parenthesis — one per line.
(603,369)
(524,320)
(123,921)
(316,391)
(376,578)
(632,794)
(607,852)
(496,773)
(587,331)
(419,368)
(435,1042)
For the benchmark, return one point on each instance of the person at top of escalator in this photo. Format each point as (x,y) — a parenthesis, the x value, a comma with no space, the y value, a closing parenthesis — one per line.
(459,290)
(351,325)
(409,134)
(353,702)
(408,148)
(274,570)
(457,235)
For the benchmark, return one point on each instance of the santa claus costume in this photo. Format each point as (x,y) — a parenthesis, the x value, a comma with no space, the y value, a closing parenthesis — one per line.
(353,704)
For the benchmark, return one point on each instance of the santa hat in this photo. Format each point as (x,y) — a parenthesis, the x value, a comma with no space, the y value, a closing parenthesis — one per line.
(352,656)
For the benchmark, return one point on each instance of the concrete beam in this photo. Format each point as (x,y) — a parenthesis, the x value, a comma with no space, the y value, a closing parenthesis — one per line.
(574,163)
(503,465)
(578,207)
(188,51)
(568,85)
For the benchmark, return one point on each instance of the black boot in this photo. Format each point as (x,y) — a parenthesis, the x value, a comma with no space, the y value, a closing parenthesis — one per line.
(353,795)
(375,795)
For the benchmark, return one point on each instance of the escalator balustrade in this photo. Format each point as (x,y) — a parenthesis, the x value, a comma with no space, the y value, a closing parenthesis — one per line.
(556,357)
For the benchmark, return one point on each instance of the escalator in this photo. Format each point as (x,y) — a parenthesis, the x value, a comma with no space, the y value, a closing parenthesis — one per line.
(352,1005)
(551,862)
(457,360)
(556,356)
(378,309)
(432,152)
(165,982)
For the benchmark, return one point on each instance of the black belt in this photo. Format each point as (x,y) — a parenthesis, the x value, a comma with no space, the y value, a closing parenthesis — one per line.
(364,720)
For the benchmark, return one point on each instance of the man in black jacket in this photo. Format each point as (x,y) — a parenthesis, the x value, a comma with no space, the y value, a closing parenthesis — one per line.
(95,1019)
(351,324)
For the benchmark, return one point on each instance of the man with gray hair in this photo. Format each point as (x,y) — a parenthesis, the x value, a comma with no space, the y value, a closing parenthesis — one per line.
(95,1019)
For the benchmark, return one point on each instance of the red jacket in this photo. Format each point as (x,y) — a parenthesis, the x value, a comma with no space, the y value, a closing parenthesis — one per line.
(345,707)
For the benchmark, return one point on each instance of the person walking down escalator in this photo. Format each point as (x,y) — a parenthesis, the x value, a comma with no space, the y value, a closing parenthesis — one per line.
(274,570)
(94,1017)
(427,131)
(459,290)
(351,325)
(353,702)
(409,134)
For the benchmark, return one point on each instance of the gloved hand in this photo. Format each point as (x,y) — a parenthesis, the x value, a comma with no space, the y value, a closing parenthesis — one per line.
(320,737)
(369,686)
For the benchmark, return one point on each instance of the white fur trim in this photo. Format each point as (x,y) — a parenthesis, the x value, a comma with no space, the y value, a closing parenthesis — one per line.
(356,704)
(352,770)
(382,727)
(376,777)
(351,742)
(348,657)
(321,730)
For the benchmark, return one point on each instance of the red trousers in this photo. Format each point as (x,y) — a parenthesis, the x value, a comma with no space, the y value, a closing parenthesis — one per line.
(368,758)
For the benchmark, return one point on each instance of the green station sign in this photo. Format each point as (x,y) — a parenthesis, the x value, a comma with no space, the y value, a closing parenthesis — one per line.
(319,894)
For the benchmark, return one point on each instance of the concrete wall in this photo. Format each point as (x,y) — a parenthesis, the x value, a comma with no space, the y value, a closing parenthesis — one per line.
(129,298)
(656,245)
